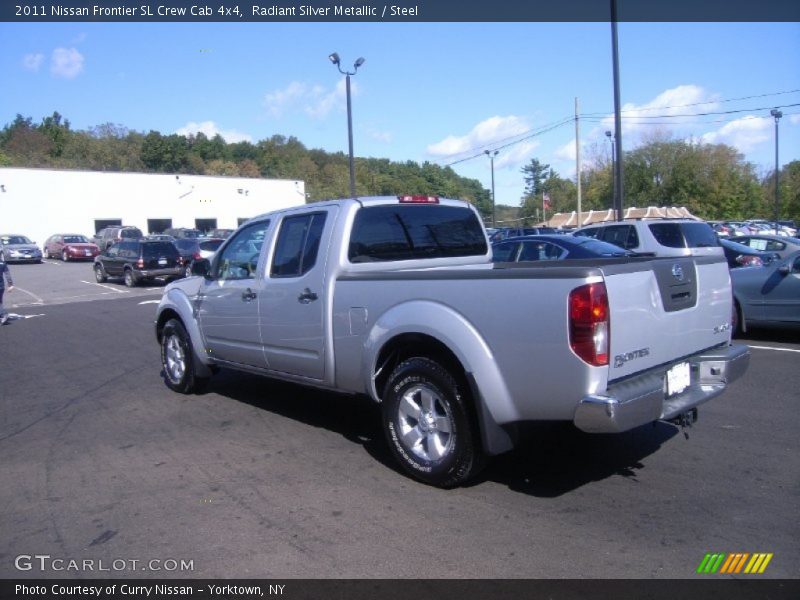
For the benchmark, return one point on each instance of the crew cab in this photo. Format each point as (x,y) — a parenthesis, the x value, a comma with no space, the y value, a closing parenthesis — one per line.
(397,298)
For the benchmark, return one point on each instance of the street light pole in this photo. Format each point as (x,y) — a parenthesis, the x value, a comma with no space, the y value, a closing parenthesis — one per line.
(777,114)
(610,137)
(334,58)
(491,156)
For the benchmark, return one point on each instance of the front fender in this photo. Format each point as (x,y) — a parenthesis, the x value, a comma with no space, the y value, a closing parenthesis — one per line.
(459,335)
(176,301)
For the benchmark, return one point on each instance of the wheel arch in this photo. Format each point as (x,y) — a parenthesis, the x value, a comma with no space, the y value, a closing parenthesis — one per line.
(431,330)
(176,305)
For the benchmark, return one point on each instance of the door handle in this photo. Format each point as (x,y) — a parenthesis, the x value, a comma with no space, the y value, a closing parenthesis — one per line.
(248,295)
(307,296)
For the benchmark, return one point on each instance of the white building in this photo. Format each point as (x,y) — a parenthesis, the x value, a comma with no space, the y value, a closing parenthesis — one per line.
(41,202)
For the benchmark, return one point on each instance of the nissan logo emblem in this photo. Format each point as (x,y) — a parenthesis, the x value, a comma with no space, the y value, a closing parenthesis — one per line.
(677,272)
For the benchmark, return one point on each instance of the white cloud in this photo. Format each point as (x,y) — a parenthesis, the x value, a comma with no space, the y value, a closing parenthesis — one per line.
(32,62)
(567,151)
(314,100)
(743,134)
(516,155)
(380,136)
(493,129)
(794,119)
(210,129)
(681,100)
(66,62)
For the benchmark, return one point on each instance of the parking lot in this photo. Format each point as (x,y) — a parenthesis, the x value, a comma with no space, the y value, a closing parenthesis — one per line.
(101,462)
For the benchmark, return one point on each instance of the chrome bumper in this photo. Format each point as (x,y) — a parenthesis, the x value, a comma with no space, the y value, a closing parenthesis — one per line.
(642,399)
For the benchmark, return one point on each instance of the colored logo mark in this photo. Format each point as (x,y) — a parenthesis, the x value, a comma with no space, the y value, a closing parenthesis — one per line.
(738,562)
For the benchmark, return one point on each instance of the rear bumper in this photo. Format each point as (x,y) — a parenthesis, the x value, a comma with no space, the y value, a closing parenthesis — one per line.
(642,399)
(168,272)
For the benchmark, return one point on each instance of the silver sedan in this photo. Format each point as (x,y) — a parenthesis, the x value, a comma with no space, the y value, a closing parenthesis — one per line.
(767,295)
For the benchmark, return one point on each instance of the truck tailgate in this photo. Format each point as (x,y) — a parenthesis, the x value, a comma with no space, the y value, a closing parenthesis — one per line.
(665,309)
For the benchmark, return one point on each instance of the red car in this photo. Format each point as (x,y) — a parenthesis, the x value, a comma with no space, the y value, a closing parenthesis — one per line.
(70,246)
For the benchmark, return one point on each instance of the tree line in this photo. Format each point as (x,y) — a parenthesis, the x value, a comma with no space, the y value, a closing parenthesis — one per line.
(713,181)
(53,143)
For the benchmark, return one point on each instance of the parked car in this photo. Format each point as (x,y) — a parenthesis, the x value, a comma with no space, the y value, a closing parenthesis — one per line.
(116,233)
(780,245)
(192,249)
(508,232)
(739,255)
(553,247)
(180,233)
(768,296)
(18,248)
(138,260)
(159,237)
(221,233)
(657,237)
(70,246)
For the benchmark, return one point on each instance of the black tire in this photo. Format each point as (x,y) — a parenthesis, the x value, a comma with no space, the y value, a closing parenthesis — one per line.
(429,424)
(177,360)
(100,273)
(737,320)
(130,279)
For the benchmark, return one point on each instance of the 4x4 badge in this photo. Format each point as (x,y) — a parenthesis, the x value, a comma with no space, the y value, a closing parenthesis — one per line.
(677,272)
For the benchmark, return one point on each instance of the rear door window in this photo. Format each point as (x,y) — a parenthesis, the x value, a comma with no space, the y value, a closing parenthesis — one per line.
(297,245)
(159,249)
(624,236)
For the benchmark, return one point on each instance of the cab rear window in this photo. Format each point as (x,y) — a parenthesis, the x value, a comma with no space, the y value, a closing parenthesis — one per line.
(408,232)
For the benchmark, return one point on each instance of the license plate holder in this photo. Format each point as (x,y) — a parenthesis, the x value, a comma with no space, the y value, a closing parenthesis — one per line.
(162,261)
(678,378)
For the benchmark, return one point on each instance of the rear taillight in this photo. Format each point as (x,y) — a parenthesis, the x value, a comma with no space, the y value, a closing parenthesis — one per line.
(589,323)
(749,261)
(140,263)
(197,256)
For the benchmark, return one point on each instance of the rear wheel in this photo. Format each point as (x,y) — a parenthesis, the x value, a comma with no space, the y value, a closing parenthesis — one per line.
(177,359)
(130,278)
(429,424)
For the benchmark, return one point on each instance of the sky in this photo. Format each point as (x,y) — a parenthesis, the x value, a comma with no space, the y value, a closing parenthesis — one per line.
(437,92)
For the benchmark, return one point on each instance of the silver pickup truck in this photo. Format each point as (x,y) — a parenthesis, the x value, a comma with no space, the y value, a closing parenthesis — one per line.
(397,298)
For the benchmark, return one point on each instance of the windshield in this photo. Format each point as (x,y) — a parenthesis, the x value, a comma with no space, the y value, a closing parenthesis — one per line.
(15,239)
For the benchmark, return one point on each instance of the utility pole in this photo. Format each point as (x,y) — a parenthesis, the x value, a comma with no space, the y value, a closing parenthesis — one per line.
(491,155)
(777,114)
(578,159)
(618,189)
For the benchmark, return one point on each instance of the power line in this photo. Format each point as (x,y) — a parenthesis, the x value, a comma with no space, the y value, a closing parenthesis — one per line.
(527,135)
(706,114)
(700,103)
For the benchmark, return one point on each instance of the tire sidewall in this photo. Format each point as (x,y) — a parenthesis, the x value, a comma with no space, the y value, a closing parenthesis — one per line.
(130,278)
(448,470)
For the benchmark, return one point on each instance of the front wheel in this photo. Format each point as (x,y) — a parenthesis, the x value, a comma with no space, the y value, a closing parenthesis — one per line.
(177,359)
(64,255)
(429,424)
(99,273)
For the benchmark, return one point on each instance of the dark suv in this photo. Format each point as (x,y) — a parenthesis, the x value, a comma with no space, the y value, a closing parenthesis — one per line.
(180,233)
(138,260)
(116,233)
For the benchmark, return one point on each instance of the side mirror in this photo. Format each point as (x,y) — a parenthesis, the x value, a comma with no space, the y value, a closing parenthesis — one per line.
(201,267)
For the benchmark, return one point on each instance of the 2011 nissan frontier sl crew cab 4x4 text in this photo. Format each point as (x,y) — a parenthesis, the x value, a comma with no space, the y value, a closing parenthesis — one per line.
(397,298)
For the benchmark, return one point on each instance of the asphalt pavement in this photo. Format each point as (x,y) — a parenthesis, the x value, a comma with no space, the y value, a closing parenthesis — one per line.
(257,478)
